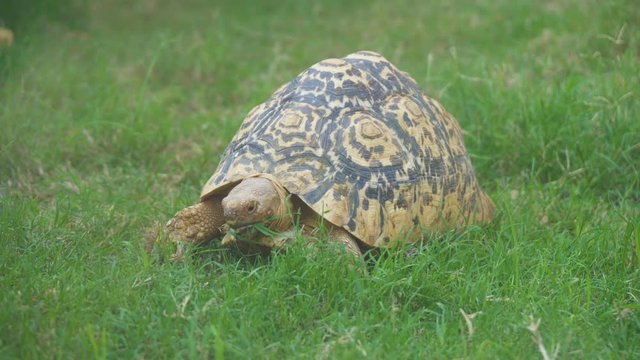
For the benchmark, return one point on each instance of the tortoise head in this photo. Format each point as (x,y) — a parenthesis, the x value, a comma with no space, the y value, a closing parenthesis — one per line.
(254,200)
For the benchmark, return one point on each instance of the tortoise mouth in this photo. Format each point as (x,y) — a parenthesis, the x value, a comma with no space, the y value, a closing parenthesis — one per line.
(243,230)
(253,234)
(233,228)
(234,223)
(246,232)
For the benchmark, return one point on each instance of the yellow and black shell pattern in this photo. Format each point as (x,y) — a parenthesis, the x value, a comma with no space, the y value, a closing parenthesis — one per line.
(359,143)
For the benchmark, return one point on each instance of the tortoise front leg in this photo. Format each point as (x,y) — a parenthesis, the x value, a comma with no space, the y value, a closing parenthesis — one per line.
(337,235)
(342,236)
(198,223)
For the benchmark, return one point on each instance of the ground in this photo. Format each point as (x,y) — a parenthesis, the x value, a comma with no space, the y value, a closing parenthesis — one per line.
(113,115)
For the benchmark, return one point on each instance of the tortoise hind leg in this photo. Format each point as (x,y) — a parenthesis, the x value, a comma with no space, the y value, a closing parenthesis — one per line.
(198,223)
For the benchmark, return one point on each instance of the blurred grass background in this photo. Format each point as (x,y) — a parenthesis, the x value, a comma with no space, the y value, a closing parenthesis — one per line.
(113,114)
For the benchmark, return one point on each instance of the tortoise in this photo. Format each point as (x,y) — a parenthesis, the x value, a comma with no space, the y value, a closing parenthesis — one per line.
(352,144)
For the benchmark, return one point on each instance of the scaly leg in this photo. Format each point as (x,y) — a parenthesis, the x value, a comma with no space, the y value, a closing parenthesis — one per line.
(341,235)
(198,223)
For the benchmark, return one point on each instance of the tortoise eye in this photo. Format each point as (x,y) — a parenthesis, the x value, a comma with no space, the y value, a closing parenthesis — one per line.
(251,208)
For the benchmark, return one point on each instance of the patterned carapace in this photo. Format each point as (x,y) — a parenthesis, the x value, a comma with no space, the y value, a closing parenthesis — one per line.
(358,141)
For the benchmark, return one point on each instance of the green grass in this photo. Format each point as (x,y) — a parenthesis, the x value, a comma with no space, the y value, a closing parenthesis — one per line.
(113,115)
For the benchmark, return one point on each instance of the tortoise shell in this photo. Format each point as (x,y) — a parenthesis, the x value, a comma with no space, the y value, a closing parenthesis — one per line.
(361,145)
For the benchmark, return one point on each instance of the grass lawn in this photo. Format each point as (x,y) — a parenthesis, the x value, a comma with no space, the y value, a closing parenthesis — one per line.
(113,115)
